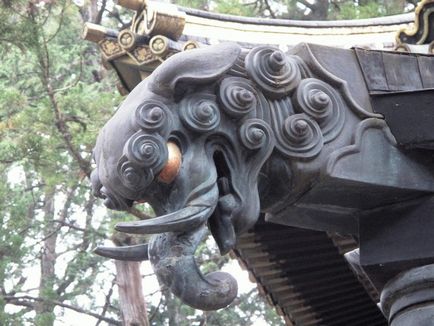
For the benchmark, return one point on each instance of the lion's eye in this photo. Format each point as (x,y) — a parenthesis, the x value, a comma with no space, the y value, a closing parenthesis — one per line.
(171,169)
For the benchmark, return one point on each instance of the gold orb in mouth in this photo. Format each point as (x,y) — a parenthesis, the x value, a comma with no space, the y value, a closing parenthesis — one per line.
(171,169)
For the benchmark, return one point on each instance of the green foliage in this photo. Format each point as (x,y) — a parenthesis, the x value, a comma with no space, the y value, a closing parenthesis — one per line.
(47,79)
(199,4)
(303,10)
(44,319)
(367,9)
(233,7)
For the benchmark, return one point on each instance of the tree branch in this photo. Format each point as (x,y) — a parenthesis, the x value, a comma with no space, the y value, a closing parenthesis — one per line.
(100,13)
(307,4)
(138,213)
(26,301)
(115,15)
(62,17)
(153,314)
(75,227)
(44,62)
(88,227)
(107,302)
(267,5)
(69,197)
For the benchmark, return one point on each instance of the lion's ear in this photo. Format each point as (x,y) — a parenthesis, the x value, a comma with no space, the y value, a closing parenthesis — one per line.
(197,66)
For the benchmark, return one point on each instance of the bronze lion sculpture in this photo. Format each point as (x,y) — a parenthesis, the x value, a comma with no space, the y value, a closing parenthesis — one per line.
(219,134)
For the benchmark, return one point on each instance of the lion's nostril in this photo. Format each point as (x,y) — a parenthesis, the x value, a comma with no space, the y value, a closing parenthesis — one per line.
(114,201)
(103,193)
(96,183)
(171,169)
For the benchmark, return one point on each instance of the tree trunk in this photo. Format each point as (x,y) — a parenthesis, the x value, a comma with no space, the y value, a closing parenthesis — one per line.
(320,10)
(45,310)
(131,299)
(173,309)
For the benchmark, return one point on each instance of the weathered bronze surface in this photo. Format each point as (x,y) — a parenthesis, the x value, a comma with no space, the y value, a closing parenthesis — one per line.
(318,138)
(408,298)
(259,130)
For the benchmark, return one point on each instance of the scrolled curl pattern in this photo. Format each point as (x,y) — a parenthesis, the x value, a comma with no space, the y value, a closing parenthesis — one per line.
(153,116)
(199,113)
(274,72)
(132,176)
(237,96)
(321,102)
(301,137)
(255,134)
(146,151)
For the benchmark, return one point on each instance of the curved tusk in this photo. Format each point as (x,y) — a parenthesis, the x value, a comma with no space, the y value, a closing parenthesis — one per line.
(179,221)
(126,253)
(172,257)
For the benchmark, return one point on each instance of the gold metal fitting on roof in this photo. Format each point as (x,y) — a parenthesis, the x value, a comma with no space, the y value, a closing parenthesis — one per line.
(160,19)
(159,45)
(132,4)
(190,45)
(129,40)
(420,32)
(96,33)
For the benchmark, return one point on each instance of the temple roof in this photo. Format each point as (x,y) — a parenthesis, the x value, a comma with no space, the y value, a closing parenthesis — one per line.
(304,274)
(159,30)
